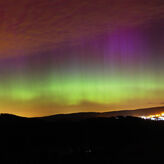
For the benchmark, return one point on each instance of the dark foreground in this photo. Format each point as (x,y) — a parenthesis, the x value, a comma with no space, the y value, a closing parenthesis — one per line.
(96,140)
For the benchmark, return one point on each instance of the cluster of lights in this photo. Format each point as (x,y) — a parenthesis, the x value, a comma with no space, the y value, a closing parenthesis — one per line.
(156,117)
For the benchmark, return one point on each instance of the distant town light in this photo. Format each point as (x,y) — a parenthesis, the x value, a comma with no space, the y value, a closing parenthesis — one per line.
(156,117)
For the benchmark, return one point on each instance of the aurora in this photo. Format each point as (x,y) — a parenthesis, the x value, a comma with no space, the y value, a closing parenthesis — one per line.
(74,60)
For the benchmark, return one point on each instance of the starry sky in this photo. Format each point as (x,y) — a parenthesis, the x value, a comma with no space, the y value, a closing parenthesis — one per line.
(64,56)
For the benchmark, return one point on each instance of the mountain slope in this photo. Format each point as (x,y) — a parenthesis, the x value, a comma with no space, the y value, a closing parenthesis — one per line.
(77,116)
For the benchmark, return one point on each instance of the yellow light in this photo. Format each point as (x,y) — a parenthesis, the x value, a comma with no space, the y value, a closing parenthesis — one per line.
(155,117)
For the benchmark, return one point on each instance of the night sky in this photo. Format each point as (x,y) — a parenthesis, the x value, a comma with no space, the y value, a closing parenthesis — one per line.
(64,56)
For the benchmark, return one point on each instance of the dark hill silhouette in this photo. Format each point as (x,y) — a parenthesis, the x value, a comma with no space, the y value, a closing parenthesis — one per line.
(91,138)
(14,120)
(85,115)
(7,116)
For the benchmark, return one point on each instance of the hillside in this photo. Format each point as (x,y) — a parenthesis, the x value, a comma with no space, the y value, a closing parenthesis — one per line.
(94,140)
(83,115)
